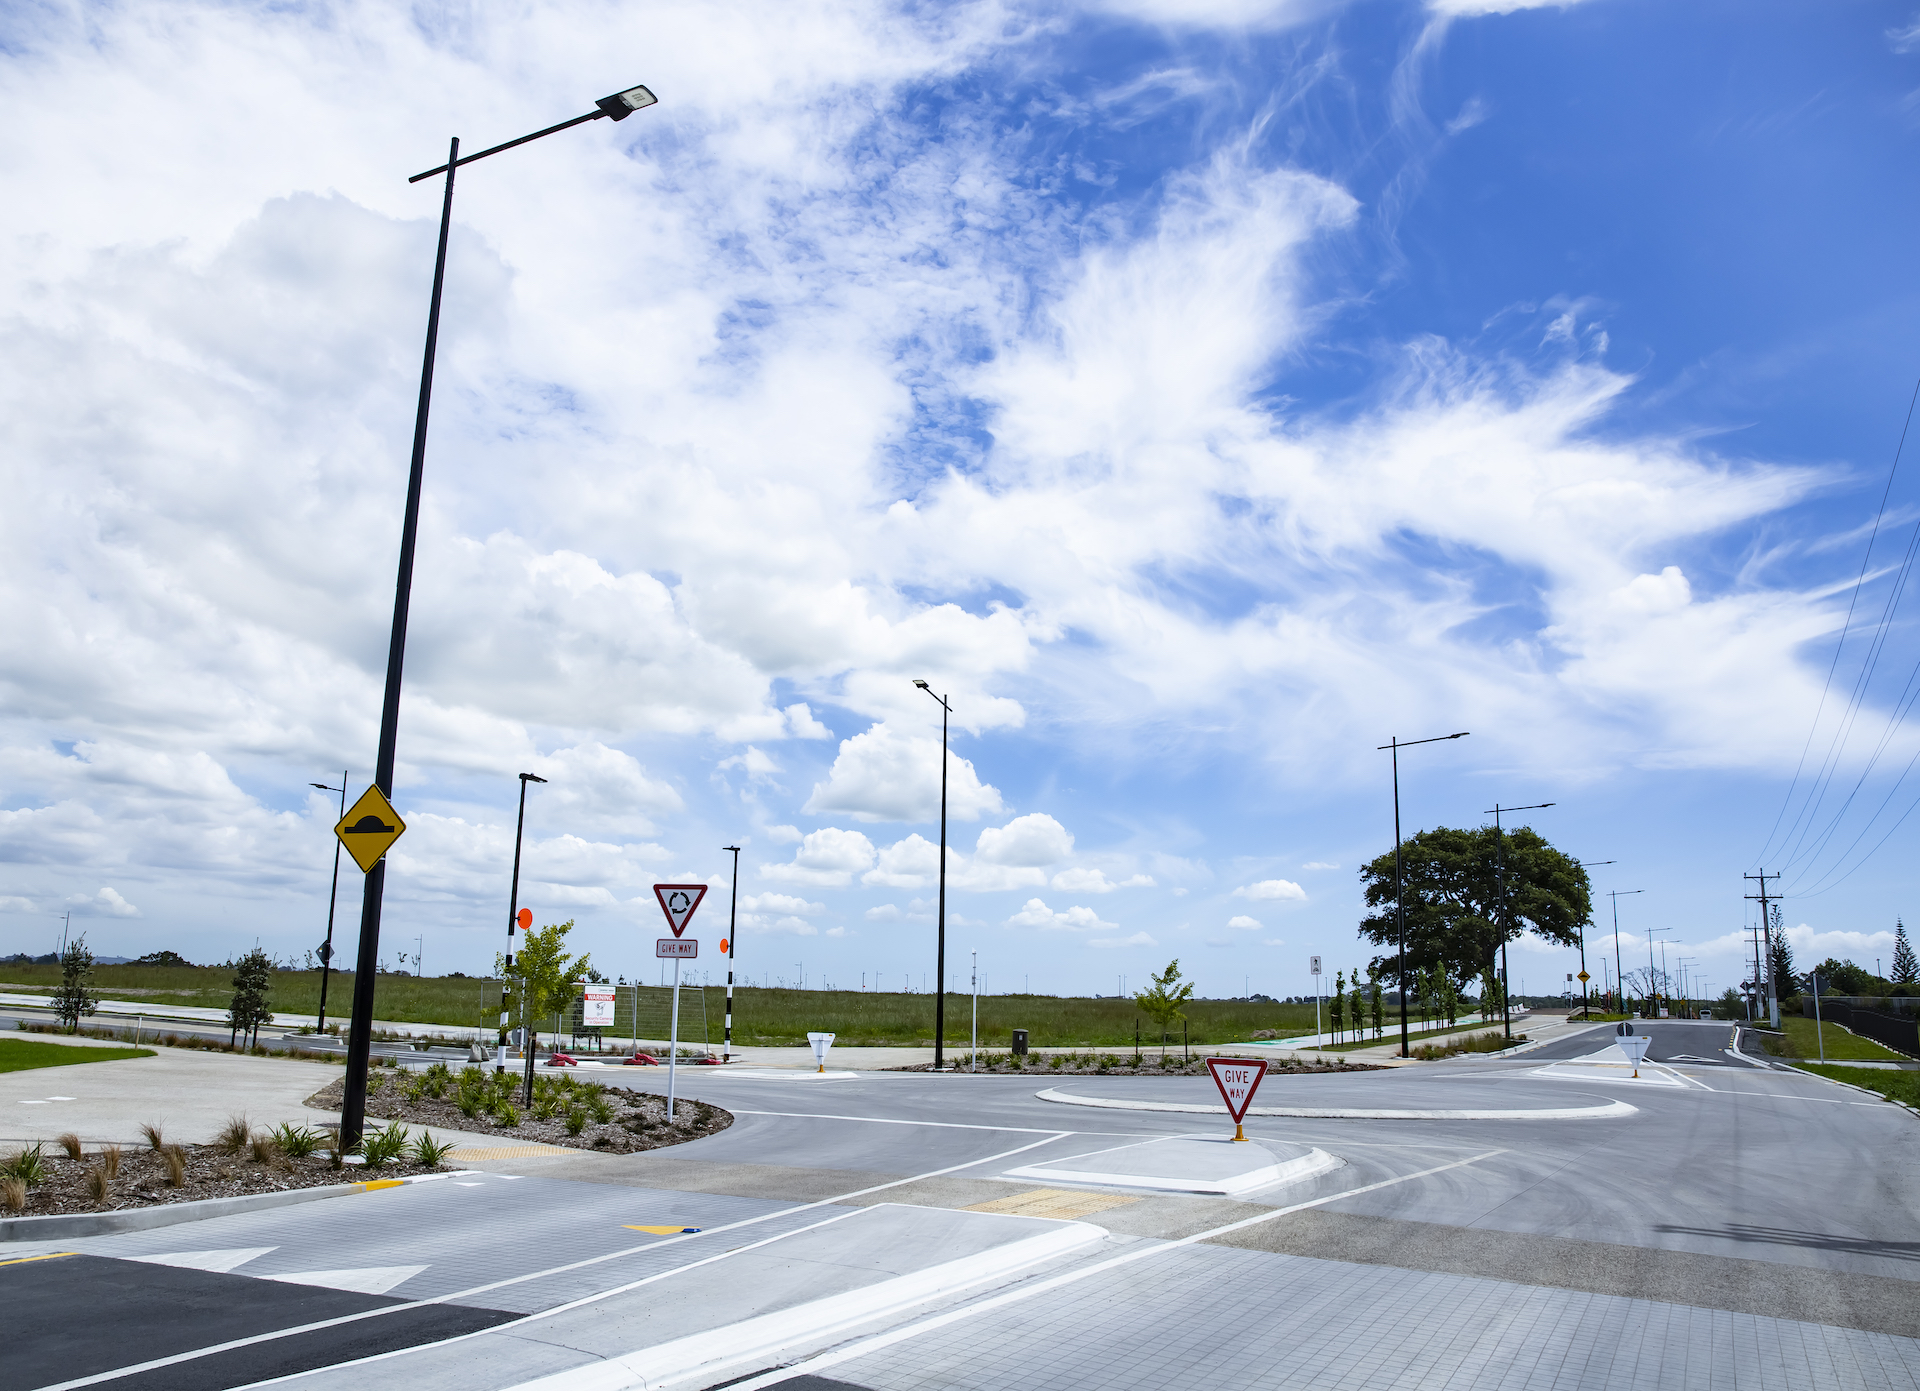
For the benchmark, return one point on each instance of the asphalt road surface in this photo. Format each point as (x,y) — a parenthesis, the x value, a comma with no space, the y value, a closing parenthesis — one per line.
(1541,1221)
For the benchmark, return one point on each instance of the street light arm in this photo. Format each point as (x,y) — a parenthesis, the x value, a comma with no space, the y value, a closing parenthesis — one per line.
(1409,743)
(619,106)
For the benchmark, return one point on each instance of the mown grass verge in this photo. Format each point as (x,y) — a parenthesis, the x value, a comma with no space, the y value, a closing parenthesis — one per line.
(1800,1041)
(21,1055)
(1894,1085)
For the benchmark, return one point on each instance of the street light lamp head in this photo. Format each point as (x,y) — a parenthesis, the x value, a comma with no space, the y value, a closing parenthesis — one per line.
(921,684)
(623,104)
(531,777)
(1461,735)
(321,785)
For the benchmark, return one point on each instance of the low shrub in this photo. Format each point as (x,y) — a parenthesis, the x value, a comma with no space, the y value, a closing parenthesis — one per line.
(152,1132)
(599,1107)
(13,1194)
(504,1114)
(263,1148)
(576,1120)
(234,1134)
(176,1160)
(384,1146)
(70,1143)
(29,1166)
(110,1160)
(429,1151)
(297,1141)
(98,1188)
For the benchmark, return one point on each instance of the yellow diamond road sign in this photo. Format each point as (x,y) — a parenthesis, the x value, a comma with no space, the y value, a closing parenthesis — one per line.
(370,828)
(1584,977)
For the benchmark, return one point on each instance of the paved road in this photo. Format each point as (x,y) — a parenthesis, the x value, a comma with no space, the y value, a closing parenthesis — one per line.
(1735,1226)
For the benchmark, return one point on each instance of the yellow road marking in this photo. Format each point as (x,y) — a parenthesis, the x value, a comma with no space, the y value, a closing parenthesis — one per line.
(1053,1202)
(50,1256)
(374,1183)
(511,1152)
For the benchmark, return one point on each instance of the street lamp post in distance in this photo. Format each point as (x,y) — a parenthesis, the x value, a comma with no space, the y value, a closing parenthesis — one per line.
(1399,879)
(353,1105)
(1500,872)
(513,921)
(733,944)
(1586,1002)
(326,947)
(940,953)
(1619,974)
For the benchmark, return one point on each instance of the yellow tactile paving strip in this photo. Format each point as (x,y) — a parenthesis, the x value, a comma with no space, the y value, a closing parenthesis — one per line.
(1053,1202)
(471,1156)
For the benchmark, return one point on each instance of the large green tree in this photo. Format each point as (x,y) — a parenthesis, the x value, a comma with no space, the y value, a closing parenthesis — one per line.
(1468,892)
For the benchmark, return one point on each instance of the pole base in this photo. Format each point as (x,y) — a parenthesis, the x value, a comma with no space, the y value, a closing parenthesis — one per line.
(1238,1133)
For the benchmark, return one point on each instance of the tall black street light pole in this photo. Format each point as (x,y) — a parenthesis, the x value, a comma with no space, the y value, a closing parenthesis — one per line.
(1500,878)
(1399,879)
(360,1032)
(513,921)
(1586,1004)
(1619,975)
(733,945)
(326,947)
(940,961)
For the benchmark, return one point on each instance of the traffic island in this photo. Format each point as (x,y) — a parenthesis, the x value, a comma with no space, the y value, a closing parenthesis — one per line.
(1208,1165)
(567,1112)
(1093,1064)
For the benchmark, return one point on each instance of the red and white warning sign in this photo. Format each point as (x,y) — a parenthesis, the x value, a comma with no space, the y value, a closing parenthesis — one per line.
(678,901)
(1238,1079)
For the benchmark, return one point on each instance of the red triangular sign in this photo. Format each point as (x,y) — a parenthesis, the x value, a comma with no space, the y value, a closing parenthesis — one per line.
(1237,1079)
(678,901)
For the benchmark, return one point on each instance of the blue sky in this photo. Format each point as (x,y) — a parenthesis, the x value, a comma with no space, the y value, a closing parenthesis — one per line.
(1201,393)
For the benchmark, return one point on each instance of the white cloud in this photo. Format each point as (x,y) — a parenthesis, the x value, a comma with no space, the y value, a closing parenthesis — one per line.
(784,835)
(753,763)
(1083,880)
(839,932)
(1241,920)
(1464,9)
(1271,889)
(1138,939)
(882,775)
(780,903)
(1319,864)
(107,902)
(802,725)
(827,858)
(910,863)
(884,913)
(1035,913)
(1033,840)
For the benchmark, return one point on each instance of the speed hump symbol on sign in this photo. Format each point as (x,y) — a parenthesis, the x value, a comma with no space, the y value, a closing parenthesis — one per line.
(370,828)
(678,901)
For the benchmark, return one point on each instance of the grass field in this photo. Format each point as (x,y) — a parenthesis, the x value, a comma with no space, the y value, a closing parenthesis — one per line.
(1802,1042)
(1894,1086)
(20,1055)
(760,1016)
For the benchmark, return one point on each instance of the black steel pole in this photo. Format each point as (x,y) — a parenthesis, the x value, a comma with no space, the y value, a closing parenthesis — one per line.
(353,1107)
(1399,896)
(1500,880)
(326,951)
(940,977)
(513,921)
(733,943)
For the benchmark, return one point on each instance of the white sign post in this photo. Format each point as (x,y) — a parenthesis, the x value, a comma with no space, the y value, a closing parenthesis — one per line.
(1238,1079)
(677,901)
(1313,969)
(821,1043)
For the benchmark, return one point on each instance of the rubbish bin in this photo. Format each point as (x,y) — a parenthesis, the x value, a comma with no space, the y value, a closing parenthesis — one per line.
(1019,1043)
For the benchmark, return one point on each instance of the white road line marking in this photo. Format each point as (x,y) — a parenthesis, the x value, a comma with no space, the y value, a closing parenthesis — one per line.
(655,1245)
(1024,1292)
(886,1120)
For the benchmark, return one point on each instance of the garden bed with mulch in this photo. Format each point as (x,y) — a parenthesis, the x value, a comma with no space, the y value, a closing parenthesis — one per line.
(41,1180)
(573,1112)
(1122,1065)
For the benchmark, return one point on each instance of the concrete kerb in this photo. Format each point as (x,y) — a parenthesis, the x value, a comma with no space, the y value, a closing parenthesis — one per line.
(1612,1110)
(65,1225)
(1852,1086)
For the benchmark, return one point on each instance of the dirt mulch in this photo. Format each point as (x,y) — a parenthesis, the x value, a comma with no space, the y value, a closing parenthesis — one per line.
(639,1122)
(212,1172)
(1121,1065)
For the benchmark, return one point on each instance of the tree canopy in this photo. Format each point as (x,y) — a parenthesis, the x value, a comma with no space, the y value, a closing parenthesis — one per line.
(1461,907)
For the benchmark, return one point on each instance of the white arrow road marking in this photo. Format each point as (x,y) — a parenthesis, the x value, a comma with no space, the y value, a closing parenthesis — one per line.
(373,1279)
(220,1262)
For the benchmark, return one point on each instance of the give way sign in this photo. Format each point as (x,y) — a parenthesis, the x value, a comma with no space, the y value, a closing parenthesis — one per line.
(1237,1080)
(678,901)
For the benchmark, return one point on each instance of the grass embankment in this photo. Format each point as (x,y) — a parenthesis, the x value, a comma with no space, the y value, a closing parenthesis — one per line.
(1390,1034)
(761,1017)
(1798,1040)
(1894,1086)
(21,1055)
